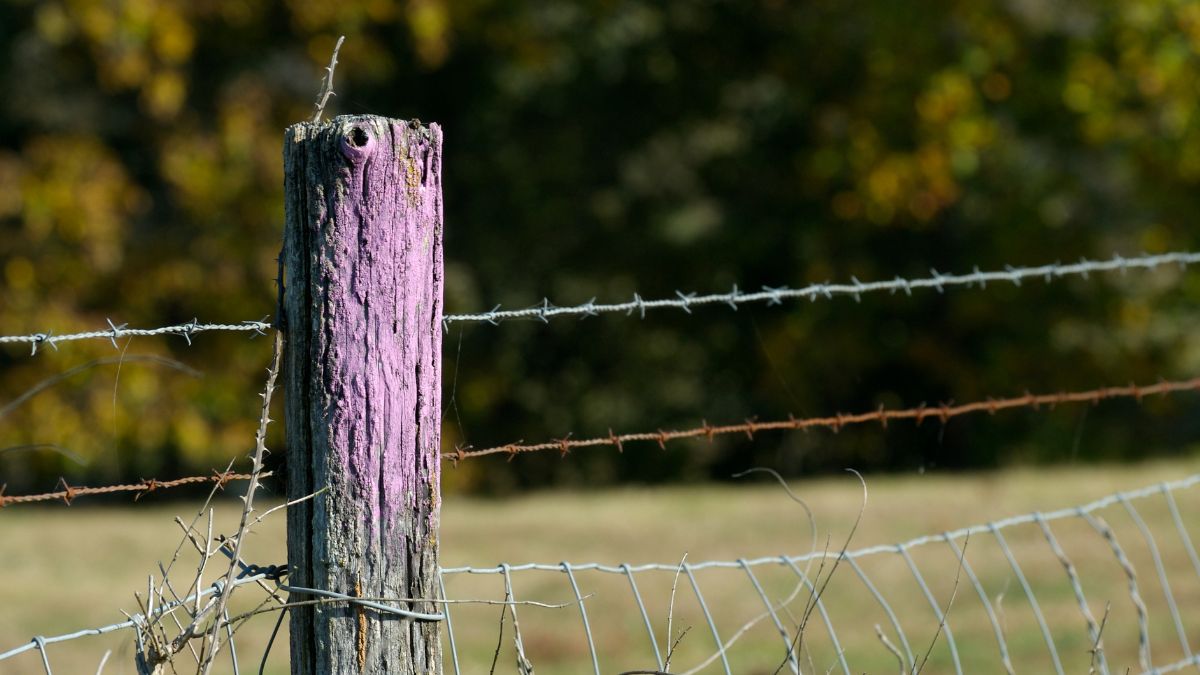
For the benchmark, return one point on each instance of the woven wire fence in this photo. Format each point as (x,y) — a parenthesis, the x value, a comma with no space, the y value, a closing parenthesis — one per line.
(1110,586)
(1013,595)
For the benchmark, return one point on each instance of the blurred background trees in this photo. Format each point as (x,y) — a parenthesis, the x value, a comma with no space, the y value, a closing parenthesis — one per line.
(603,147)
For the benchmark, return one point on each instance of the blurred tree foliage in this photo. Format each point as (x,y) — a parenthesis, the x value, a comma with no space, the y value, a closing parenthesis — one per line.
(598,148)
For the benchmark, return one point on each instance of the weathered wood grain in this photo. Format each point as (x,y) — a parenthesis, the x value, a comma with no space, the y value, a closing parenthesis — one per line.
(361,313)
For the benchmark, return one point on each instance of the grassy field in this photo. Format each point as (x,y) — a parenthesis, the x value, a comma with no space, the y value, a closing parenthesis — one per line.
(69,568)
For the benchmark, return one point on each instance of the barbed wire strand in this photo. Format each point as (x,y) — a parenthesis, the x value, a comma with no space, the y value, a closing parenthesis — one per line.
(684,301)
(117,331)
(70,492)
(882,416)
(856,289)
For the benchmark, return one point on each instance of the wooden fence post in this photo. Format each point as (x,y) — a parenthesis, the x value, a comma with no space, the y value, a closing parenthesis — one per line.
(361,315)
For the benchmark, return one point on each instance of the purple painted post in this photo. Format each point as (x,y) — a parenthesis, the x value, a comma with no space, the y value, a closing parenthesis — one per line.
(361,313)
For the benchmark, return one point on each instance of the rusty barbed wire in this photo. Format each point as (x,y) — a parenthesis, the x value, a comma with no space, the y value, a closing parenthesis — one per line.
(942,412)
(68,493)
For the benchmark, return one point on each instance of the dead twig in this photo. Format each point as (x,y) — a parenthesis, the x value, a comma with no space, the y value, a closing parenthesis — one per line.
(816,596)
(891,648)
(671,613)
(260,452)
(1097,647)
(946,612)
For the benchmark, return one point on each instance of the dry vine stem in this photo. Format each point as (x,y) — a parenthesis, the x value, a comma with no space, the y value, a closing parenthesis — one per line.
(327,86)
(155,651)
(260,452)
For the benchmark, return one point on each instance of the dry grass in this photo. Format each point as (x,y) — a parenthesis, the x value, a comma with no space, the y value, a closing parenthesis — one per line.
(65,569)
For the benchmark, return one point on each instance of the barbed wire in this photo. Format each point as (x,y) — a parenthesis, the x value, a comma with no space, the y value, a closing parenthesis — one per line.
(68,493)
(685,301)
(882,416)
(118,331)
(856,288)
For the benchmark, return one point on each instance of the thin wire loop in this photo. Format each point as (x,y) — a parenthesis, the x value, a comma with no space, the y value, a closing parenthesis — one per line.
(1162,575)
(783,633)
(1037,609)
(1135,596)
(960,555)
(833,637)
(1094,636)
(449,624)
(887,609)
(637,596)
(587,628)
(937,611)
(708,616)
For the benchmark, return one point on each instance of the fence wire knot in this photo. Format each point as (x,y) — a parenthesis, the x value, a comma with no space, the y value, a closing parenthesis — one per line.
(685,299)
(151,485)
(68,491)
(589,308)
(258,326)
(114,331)
(944,413)
(189,329)
(751,427)
(39,338)
(222,478)
(937,280)
(612,438)
(776,294)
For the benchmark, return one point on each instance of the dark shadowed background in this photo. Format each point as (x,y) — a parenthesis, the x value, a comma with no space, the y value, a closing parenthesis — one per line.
(601,148)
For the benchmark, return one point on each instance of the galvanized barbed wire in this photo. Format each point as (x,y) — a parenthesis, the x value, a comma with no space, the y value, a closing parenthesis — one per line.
(69,493)
(856,289)
(942,412)
(118,331)
(684,301)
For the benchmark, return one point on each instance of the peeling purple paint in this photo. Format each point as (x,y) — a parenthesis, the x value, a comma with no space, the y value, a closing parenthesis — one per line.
(382,320)
(362,320)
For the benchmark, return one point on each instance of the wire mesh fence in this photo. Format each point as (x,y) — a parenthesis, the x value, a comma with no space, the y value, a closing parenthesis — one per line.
(1105,586)
(1094,588)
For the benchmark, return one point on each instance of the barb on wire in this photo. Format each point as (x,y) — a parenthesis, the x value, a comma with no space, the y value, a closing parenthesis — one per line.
(68,493)
(880,416)
(776,295)
(116,331)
